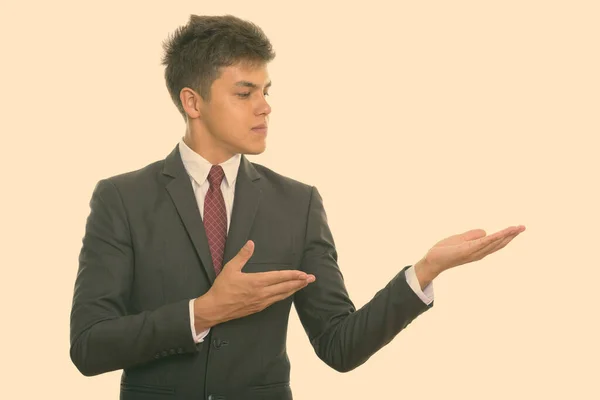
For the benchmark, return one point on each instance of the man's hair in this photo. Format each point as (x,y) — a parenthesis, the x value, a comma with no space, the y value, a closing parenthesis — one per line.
(195,52)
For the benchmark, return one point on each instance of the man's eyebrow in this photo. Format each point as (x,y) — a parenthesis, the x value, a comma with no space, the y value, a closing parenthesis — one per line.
(251,85)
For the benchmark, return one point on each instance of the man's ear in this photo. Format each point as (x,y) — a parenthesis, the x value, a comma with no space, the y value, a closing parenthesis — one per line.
(191,102)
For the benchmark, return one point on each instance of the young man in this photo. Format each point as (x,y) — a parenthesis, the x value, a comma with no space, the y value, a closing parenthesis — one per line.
(189,266)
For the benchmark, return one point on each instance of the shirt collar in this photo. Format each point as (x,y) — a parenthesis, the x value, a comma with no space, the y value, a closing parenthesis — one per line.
(198,167)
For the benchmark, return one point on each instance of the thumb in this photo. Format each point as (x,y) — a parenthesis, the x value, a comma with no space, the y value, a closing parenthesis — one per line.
(242,257)
(473,234)
(460,238)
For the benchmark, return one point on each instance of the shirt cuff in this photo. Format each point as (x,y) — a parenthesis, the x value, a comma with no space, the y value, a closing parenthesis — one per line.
(198,337)
(427,294)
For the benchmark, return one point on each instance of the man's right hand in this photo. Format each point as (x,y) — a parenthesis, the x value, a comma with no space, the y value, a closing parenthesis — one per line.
(236,294)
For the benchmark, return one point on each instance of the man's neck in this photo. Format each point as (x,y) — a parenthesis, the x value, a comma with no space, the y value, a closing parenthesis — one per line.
(207,149)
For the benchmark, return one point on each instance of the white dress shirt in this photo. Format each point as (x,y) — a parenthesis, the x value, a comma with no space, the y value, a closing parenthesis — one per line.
(198,168)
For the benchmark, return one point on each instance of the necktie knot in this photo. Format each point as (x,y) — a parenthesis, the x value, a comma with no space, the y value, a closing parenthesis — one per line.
(215,176)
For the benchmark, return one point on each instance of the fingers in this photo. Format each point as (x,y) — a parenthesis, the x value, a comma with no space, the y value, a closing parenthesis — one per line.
(267,295)
(242,257)
(285,289)
(495,245)
(487,241)
(275,277)
(281,296)
(479,248)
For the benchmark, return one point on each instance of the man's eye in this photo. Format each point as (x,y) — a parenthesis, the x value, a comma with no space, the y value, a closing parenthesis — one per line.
(245,95)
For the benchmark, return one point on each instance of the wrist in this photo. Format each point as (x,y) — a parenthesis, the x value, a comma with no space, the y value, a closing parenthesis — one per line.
(425,273)
(204,313)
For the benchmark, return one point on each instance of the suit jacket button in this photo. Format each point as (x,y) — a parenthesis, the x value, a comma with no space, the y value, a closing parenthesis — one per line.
(157,356)
(164,353)
(172,351)
(179,350)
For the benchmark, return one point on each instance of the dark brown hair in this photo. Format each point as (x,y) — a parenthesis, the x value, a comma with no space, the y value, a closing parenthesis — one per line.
(195,52)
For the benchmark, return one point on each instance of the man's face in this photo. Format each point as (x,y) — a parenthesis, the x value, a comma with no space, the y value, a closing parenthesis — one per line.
(236,106)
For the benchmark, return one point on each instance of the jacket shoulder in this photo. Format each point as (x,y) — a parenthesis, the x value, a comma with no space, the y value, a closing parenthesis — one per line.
(138,180)
(282,182)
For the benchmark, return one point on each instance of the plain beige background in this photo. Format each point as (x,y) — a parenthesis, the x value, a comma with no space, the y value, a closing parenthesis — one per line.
(416,121)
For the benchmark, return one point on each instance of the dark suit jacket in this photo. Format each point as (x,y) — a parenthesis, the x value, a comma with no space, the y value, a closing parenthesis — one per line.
(145,255)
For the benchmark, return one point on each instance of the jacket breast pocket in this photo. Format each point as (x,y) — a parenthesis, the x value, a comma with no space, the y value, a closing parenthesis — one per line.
(266,265)
(274,249)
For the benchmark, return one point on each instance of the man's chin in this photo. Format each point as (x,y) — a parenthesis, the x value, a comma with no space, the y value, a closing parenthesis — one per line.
(254,150)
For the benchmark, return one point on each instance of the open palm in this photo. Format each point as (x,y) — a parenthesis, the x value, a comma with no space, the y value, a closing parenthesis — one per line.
(469,246)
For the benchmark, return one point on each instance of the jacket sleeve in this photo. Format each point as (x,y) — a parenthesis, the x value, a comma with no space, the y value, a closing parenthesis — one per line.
(343,337)
(104,334)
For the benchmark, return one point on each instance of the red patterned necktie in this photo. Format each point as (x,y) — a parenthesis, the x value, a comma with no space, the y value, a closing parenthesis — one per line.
(215,217)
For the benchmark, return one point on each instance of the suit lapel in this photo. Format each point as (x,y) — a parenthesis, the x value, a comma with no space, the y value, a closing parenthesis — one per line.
(246,201)
(245,204)
(182,193)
